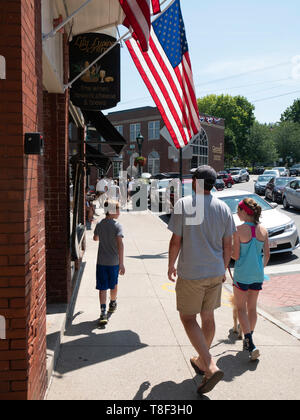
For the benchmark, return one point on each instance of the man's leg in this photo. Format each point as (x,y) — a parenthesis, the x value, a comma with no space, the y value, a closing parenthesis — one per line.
(198,340)
(208,326)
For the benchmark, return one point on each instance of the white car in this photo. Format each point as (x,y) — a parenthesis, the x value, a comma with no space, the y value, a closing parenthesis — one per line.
(282,170)
(273,172)
(283,233)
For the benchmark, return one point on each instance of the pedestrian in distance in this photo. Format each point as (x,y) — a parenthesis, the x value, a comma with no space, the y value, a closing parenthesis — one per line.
(110,260)
(250,239)
(204,249)
(102,188)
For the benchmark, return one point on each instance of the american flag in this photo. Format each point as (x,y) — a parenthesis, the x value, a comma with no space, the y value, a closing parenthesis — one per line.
(167,72)
(138,17)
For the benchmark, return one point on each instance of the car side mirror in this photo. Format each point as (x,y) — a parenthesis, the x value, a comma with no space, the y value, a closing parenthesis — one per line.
(255,181)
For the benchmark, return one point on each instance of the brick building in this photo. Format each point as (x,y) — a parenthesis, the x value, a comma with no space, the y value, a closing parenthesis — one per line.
(206,148)
(42,206)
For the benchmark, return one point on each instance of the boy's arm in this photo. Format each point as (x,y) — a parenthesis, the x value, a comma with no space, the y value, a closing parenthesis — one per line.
(121,254)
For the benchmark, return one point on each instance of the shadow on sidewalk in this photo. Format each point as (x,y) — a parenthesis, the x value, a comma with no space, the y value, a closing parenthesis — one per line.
(170,391)
(94,348)
(163,255)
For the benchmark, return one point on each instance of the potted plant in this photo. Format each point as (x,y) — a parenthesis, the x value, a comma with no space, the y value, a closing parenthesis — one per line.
(140,161)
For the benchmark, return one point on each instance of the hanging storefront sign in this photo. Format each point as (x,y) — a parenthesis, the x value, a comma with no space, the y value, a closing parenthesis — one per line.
(99,87)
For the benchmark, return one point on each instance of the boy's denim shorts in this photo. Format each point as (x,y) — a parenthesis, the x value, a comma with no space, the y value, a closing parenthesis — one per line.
(107,277)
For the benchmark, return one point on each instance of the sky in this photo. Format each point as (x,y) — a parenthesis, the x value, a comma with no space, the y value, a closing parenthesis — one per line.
(237,47)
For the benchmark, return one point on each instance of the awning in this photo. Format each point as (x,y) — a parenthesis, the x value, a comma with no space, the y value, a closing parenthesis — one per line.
(105,129)
(97,159)
(93,16)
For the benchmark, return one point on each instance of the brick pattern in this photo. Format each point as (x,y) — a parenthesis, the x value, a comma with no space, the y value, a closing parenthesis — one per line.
(22,230)
(281,291)
(57,200)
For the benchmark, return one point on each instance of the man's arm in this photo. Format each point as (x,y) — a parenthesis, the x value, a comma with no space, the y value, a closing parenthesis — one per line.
(174,248)
(227,249)
(96,238)
(121,254)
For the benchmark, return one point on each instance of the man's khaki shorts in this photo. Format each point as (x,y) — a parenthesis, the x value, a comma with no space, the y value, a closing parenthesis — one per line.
(196,296)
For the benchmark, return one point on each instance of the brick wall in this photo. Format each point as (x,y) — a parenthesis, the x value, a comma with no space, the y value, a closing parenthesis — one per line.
(57,199)
(22,230)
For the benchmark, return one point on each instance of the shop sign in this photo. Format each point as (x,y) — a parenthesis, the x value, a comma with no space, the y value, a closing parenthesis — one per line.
(99,87)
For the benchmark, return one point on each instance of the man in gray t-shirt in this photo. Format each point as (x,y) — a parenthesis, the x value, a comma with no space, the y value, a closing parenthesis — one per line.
(202,228)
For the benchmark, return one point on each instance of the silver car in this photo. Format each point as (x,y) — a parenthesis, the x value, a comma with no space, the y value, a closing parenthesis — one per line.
(283,233)
(282,170)
(291,194)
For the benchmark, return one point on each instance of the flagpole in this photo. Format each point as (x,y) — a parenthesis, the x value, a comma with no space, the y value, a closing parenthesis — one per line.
(69,85)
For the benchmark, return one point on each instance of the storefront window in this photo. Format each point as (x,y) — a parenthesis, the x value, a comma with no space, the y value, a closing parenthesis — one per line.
(200,150)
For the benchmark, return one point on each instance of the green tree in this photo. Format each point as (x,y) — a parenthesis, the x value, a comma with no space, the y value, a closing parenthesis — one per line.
(287,139)
(238,113)
(260,146)
(292,113)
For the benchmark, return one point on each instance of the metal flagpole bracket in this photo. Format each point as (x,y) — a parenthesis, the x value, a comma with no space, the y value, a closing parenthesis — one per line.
(67,20)
(2,67)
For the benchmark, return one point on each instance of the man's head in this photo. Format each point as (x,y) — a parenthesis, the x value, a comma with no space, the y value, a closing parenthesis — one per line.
(112,209)
(207,173)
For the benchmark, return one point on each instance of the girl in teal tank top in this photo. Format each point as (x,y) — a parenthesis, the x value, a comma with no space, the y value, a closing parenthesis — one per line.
(251,253)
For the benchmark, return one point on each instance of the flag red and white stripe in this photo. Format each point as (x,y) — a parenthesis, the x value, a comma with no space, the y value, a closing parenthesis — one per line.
(172,89)
(138,17)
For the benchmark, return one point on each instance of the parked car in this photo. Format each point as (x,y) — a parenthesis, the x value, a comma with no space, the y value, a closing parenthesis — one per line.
(219,184)
(291,194)
(240,175)
(273,172)
(295,170)
(261,183)
(283,233)
(158,193)
(275,187)
(282,170)
(227,178)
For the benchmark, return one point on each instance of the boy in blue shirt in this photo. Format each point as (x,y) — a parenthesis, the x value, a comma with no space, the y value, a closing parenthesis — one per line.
(110,261)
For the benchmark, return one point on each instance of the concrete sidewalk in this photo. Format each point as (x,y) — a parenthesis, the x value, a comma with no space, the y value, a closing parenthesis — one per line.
(143,353)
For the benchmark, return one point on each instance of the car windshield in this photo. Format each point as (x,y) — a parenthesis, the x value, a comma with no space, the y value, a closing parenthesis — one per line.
(235,172)
(270,172)
(163,183)
(263,178)
(232,202)
(282,181)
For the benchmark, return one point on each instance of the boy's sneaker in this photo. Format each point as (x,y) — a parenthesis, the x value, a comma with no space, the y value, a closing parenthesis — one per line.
(112,307)
(103,319)
(254,354)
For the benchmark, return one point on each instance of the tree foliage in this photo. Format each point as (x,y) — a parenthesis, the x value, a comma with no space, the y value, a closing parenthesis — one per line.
(238,113)
(292,113)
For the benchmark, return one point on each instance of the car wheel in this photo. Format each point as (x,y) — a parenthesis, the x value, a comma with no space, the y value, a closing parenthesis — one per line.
(273,198)
(285,203)
(247,179)
(229,185)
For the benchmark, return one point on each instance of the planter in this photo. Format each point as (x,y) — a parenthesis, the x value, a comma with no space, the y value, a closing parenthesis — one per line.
(140,161)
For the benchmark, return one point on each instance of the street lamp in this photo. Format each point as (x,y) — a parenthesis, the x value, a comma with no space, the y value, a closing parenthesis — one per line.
(140,140)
